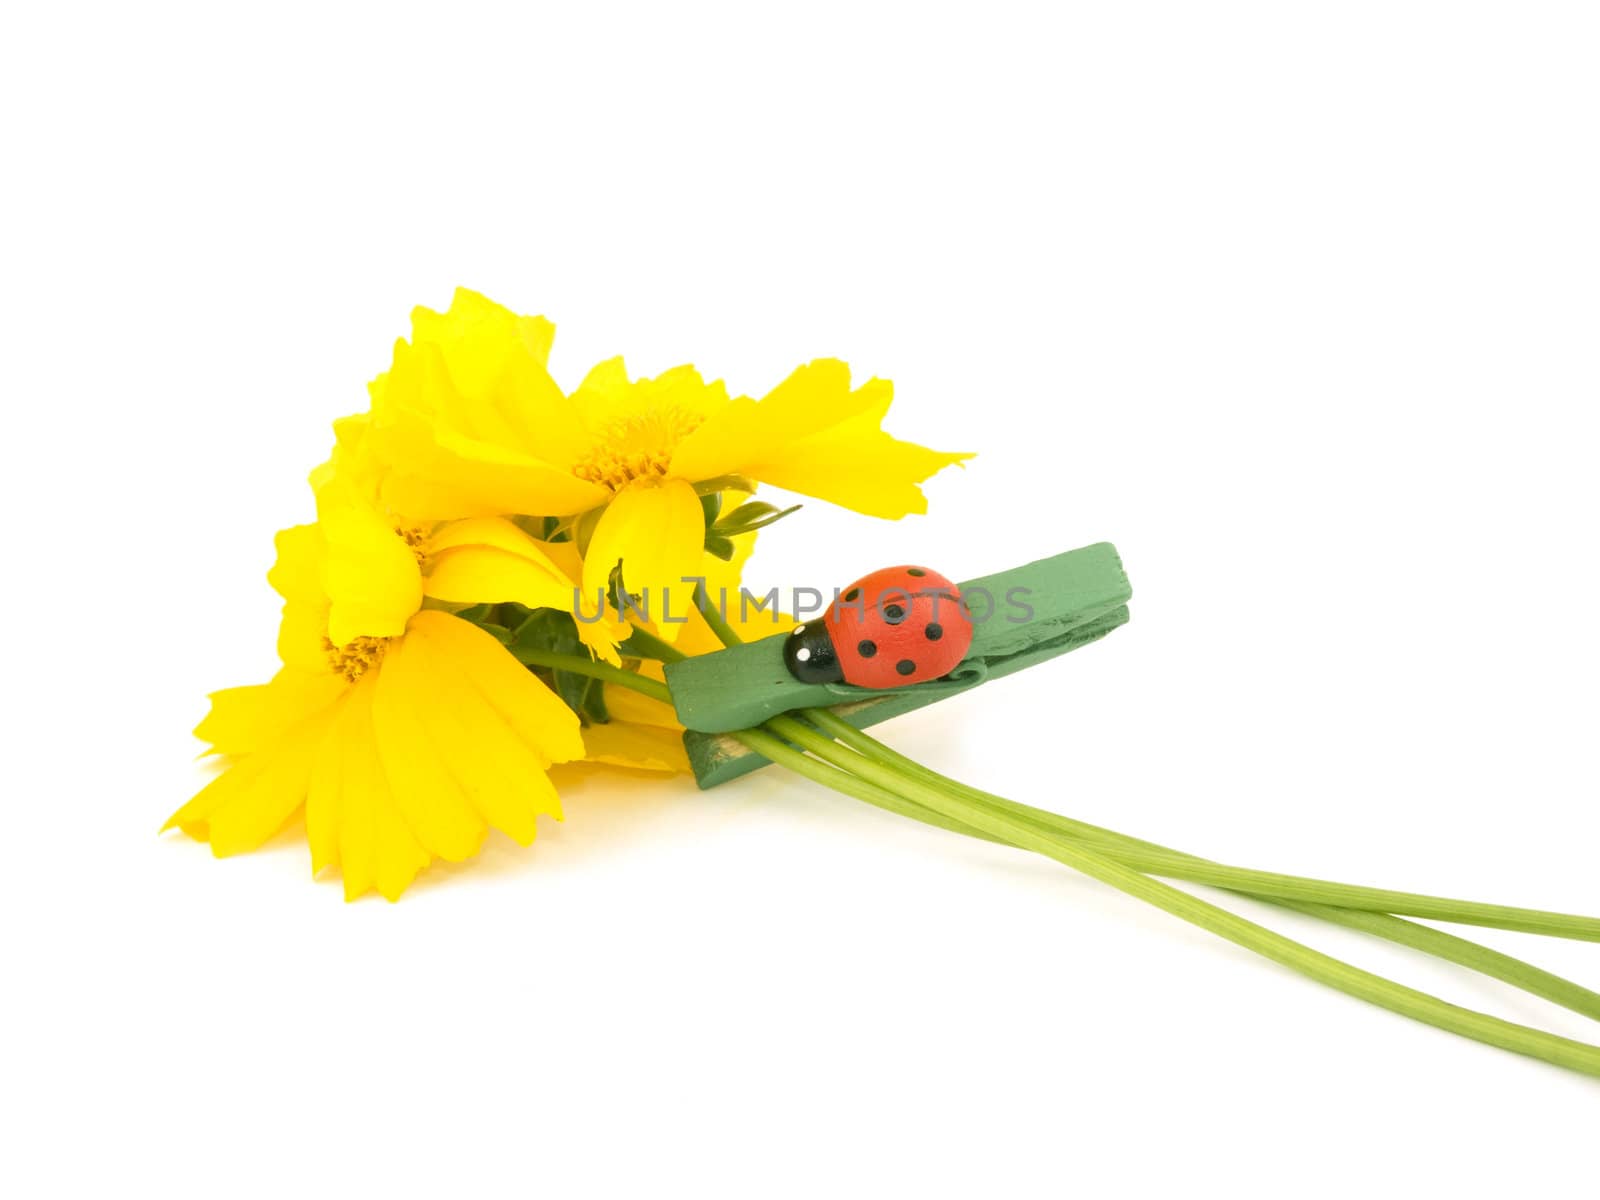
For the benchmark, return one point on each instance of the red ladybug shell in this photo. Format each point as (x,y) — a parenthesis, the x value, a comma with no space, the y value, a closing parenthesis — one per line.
(899,625)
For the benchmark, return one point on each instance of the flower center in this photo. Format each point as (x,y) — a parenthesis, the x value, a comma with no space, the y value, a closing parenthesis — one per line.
(356,658)
(416,539)
(636,447)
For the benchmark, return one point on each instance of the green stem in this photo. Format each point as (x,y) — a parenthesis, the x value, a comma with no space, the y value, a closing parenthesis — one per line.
(1465,953)
(1325,969)
(641,643)
(577,665)
(719,624)
(1443,945)
(778,751)
(1135,853)
(1129,851)
(1159,860)
(1423,938)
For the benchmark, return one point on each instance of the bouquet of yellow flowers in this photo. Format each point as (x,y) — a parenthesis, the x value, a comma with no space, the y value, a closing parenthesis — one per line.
(503,577)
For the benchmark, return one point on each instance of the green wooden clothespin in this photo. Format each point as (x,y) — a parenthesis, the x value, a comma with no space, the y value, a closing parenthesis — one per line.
(1036,612)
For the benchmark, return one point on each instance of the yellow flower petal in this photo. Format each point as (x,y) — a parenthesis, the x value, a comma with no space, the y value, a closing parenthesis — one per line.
(484,575)
(254,796)
(486,761)
(323,802)
(488,560)
(472,313)
(430,798)
(642,747)
(810,400)
(605,395)
(376,848)
(302,636)
(813,435)
(496,730)
(500,386)
(456,454)
(449,475)
(297,573)
(612,404)
(269,788)
(232,724)
(353,459)
(245,719)
(297,577)
(601,637)
(656,530)
(369,574)
(489,531)
(566,557)
(857,465)
(519,699)
(625,704)
(491,355)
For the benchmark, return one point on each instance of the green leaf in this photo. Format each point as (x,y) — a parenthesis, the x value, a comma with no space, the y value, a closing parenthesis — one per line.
(594,702)
(557,633)
(750,516)
(711,505)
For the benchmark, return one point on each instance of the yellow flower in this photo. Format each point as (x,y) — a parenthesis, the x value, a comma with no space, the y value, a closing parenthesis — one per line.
(469,422)
(404,733)
(486,560)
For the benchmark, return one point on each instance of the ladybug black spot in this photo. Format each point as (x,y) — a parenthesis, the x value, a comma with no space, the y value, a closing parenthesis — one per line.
(866,649)
(905,666)
(917,571)
(934,631)
(894,614)
(853,595)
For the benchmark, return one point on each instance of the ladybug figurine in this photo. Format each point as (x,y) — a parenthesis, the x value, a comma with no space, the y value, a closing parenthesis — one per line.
(896,626)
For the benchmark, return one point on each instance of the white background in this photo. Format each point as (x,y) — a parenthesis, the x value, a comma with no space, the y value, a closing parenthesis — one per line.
(1295,303)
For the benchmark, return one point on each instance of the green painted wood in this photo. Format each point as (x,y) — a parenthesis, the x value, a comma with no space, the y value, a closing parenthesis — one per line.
(1076,598)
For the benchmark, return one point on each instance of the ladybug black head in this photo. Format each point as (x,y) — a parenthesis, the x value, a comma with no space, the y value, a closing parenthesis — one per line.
(808,653)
